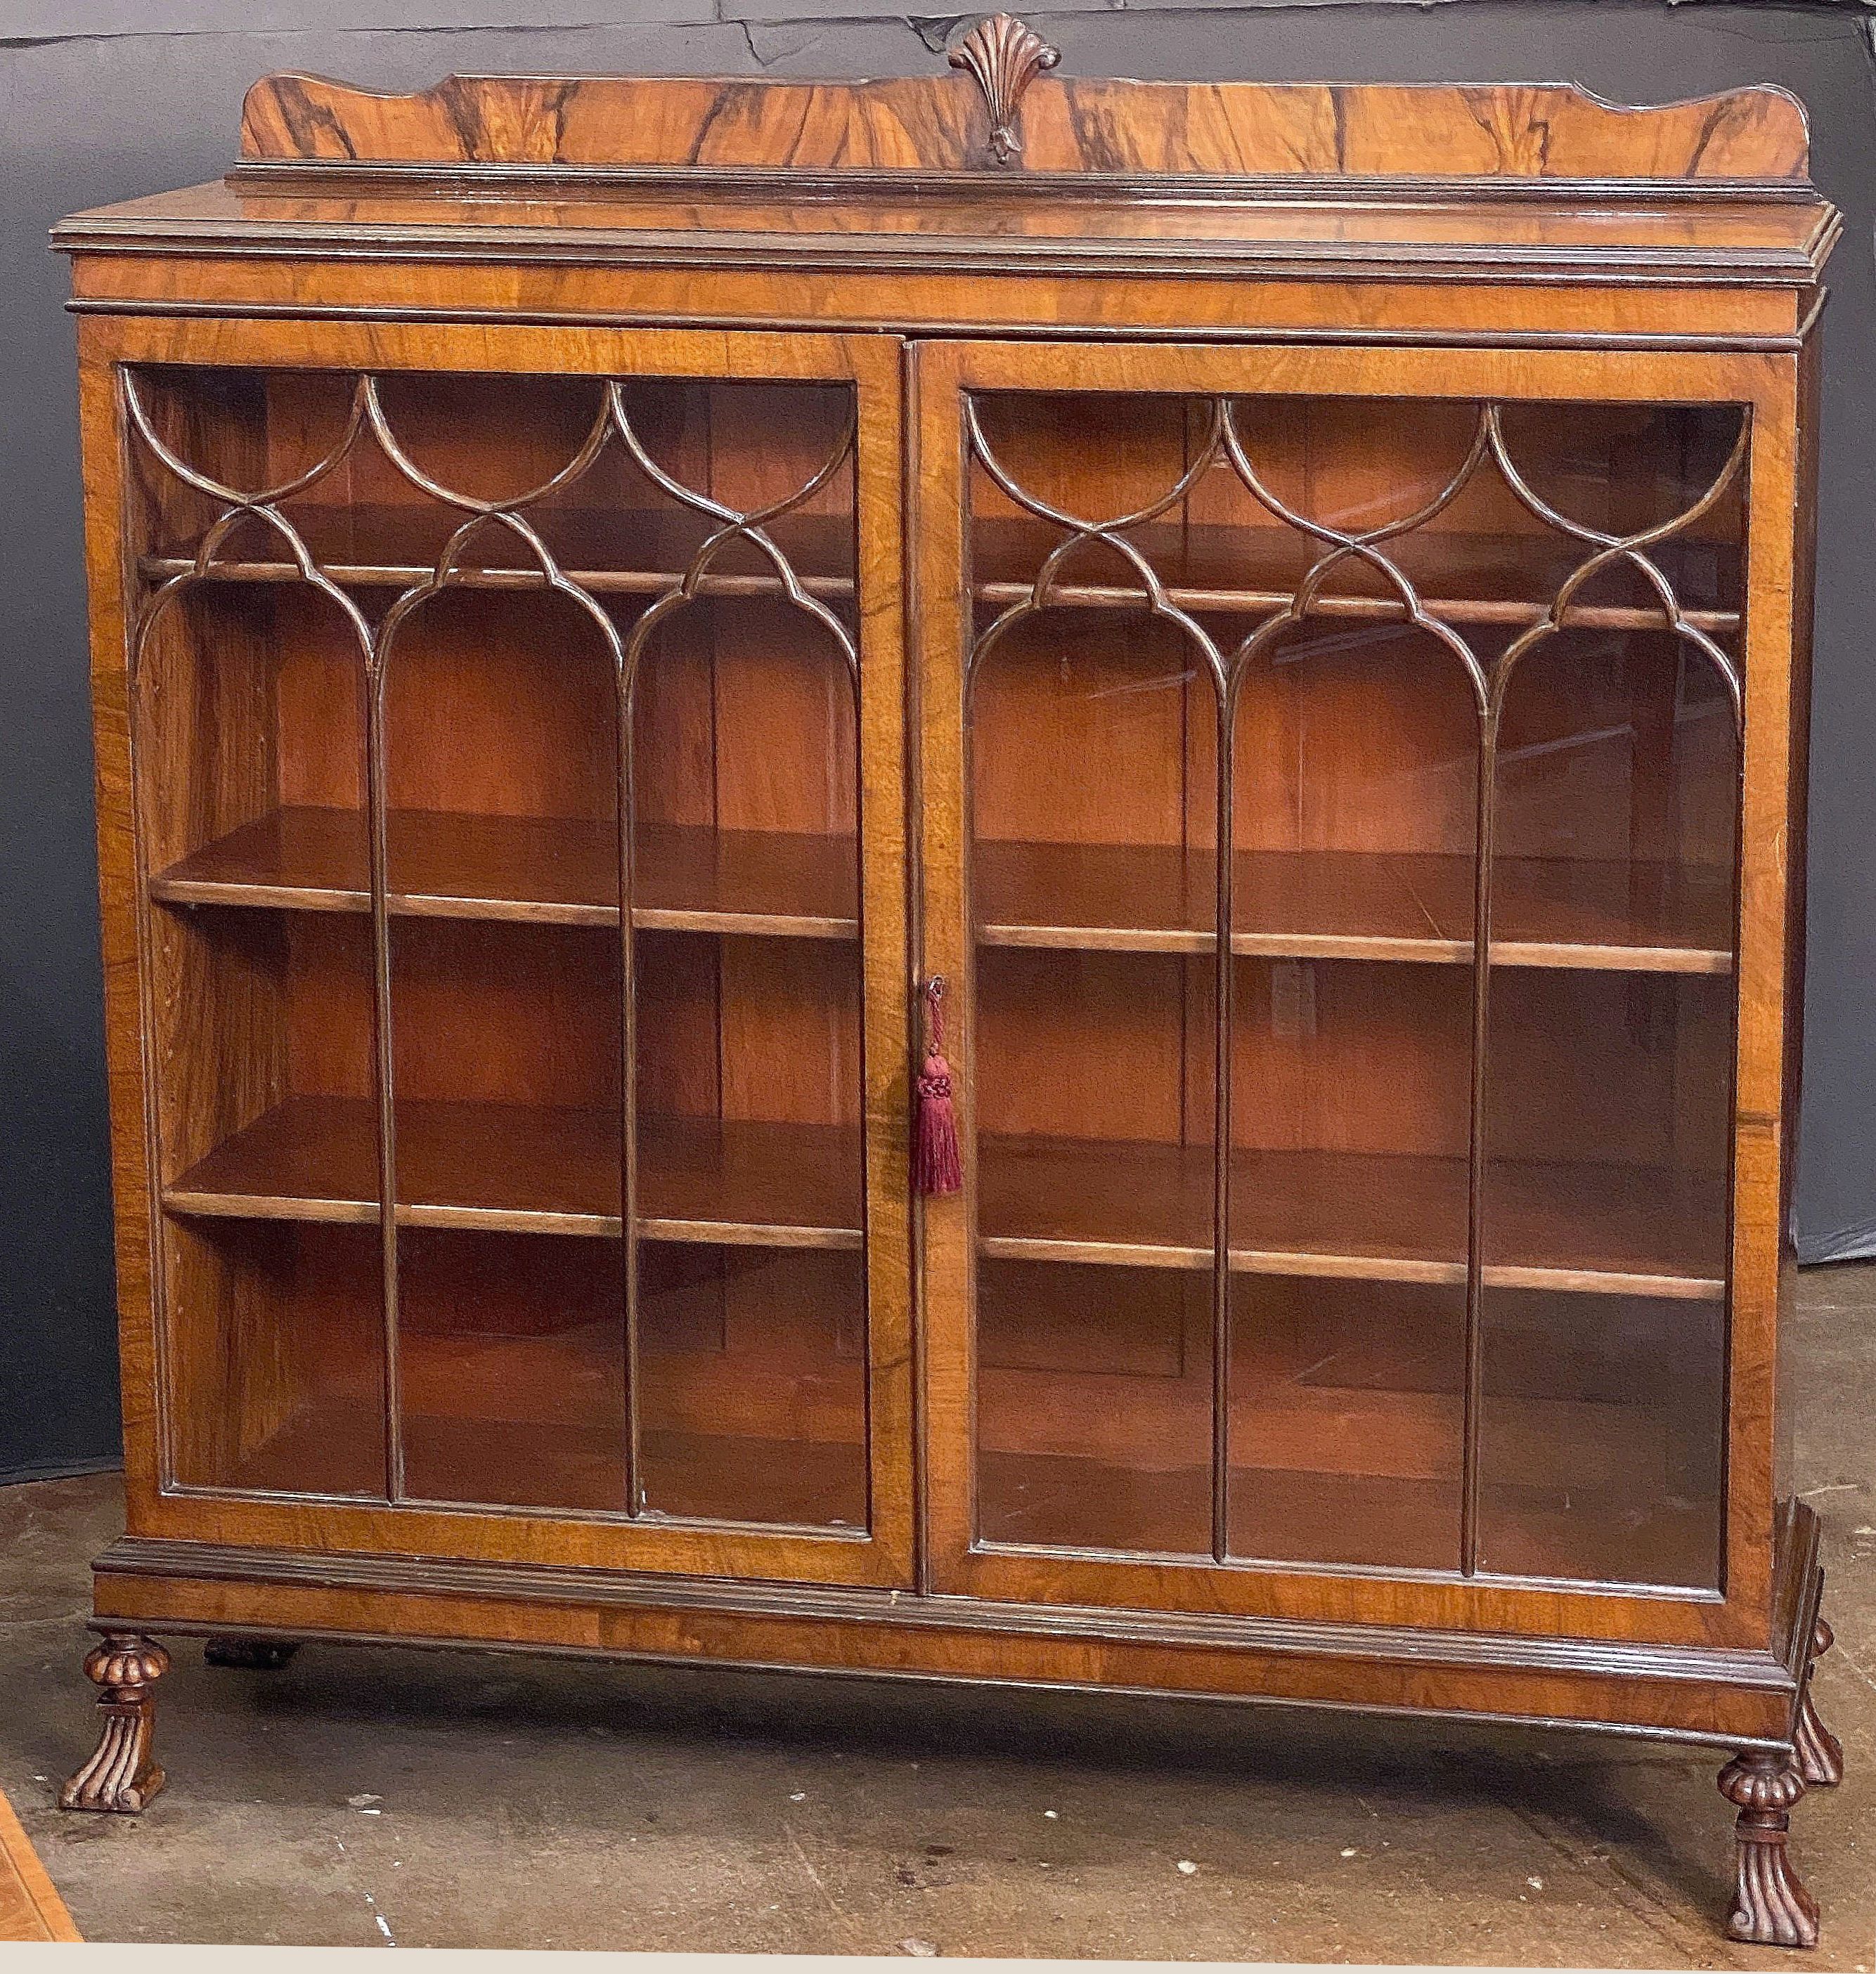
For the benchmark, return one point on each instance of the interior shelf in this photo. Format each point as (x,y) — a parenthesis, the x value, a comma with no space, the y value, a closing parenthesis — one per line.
(1598,1228)
(556,870)
(1323,904)
(522,1168)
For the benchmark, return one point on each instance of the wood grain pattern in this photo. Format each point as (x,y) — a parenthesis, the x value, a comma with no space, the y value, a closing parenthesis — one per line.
(31,1908)
(1233,130)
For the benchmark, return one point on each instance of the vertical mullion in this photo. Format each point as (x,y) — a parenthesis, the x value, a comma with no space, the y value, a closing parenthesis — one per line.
(628,1082)
(383,1065)
(1225,703)
(1484,853)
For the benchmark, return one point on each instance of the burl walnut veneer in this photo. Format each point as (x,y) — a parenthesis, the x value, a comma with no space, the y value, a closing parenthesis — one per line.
(1275,616)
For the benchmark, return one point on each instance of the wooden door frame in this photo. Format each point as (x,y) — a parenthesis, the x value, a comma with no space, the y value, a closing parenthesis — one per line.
(1741,1614)
(159,1507)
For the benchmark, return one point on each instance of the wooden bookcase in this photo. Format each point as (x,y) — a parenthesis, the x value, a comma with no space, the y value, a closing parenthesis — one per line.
(1290,602)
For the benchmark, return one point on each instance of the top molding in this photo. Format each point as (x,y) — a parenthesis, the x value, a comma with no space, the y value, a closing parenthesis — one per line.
(1001,116)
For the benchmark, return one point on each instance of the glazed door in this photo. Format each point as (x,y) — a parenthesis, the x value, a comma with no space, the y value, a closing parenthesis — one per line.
(520,809)
(1332,769)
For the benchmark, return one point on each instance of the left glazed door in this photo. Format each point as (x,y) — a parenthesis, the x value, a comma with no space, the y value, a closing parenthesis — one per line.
(518,819)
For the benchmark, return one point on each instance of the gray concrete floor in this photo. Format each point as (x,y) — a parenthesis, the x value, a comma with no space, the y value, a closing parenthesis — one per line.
(364,1796)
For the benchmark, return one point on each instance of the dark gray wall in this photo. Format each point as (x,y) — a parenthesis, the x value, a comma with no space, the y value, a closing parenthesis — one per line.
(100,100)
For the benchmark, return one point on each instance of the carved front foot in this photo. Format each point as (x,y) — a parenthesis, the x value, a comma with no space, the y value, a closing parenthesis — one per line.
(249,1654)
(1820,1753)
(1770,1905)
(121,1775)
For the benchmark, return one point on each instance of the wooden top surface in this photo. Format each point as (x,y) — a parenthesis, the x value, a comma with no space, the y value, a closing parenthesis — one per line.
(997,164)
(1779,241)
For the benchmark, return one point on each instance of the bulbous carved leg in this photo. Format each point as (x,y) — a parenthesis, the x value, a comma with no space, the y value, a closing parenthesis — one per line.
(1770,1905)
(249,1654)
(121,1775)
(1820,1753)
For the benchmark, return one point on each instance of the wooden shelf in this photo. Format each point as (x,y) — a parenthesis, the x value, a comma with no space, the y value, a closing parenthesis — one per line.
(548,870)
(1613,1230)
(1323,904)
(1253,571)
(610,552)
(520,1168)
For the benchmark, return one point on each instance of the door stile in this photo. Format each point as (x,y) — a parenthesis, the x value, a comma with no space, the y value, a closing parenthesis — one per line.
(886,750)
(941,620)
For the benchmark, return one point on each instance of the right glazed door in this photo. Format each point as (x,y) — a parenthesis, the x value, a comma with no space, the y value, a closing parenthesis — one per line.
(1332,795)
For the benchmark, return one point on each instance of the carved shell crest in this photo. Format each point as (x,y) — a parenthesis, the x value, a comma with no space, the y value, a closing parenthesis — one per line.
(1006,56)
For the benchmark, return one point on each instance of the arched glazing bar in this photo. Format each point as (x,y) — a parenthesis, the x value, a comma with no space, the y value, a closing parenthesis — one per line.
(611,427)
(1078,531)
(240,508)
(1608,550)
(480,517)
(730,526)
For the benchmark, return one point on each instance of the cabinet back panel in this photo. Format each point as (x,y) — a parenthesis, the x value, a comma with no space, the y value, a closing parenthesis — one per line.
(501,704)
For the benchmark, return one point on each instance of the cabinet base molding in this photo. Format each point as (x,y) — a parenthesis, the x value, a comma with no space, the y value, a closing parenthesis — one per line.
(1734,1697)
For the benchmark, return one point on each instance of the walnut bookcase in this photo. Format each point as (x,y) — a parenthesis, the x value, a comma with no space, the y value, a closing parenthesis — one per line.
(1291,601)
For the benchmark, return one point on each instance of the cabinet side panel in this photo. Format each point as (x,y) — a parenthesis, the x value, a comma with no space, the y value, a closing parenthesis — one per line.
(1803,596)
(1762,1151)
(109,583)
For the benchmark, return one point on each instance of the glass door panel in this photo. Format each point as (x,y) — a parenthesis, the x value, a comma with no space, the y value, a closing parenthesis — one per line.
(249,705)
(1605,1224)
(749,1166)
(503,746)
(1246,679)
(1093,881)
(498,733)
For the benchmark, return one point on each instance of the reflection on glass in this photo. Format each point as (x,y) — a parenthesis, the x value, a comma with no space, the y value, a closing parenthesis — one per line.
(1094,1406)
(1347,1423)
(1608,1105)
(1354,583)
(748,1082)
(1603,1437)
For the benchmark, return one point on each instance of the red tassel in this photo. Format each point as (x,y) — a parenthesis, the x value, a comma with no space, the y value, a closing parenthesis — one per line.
(936,1168)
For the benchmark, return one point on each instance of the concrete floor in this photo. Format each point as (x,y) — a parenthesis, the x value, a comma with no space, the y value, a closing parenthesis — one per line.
(364,1796)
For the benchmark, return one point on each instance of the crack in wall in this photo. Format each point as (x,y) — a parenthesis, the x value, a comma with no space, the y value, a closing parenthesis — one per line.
(933,30)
